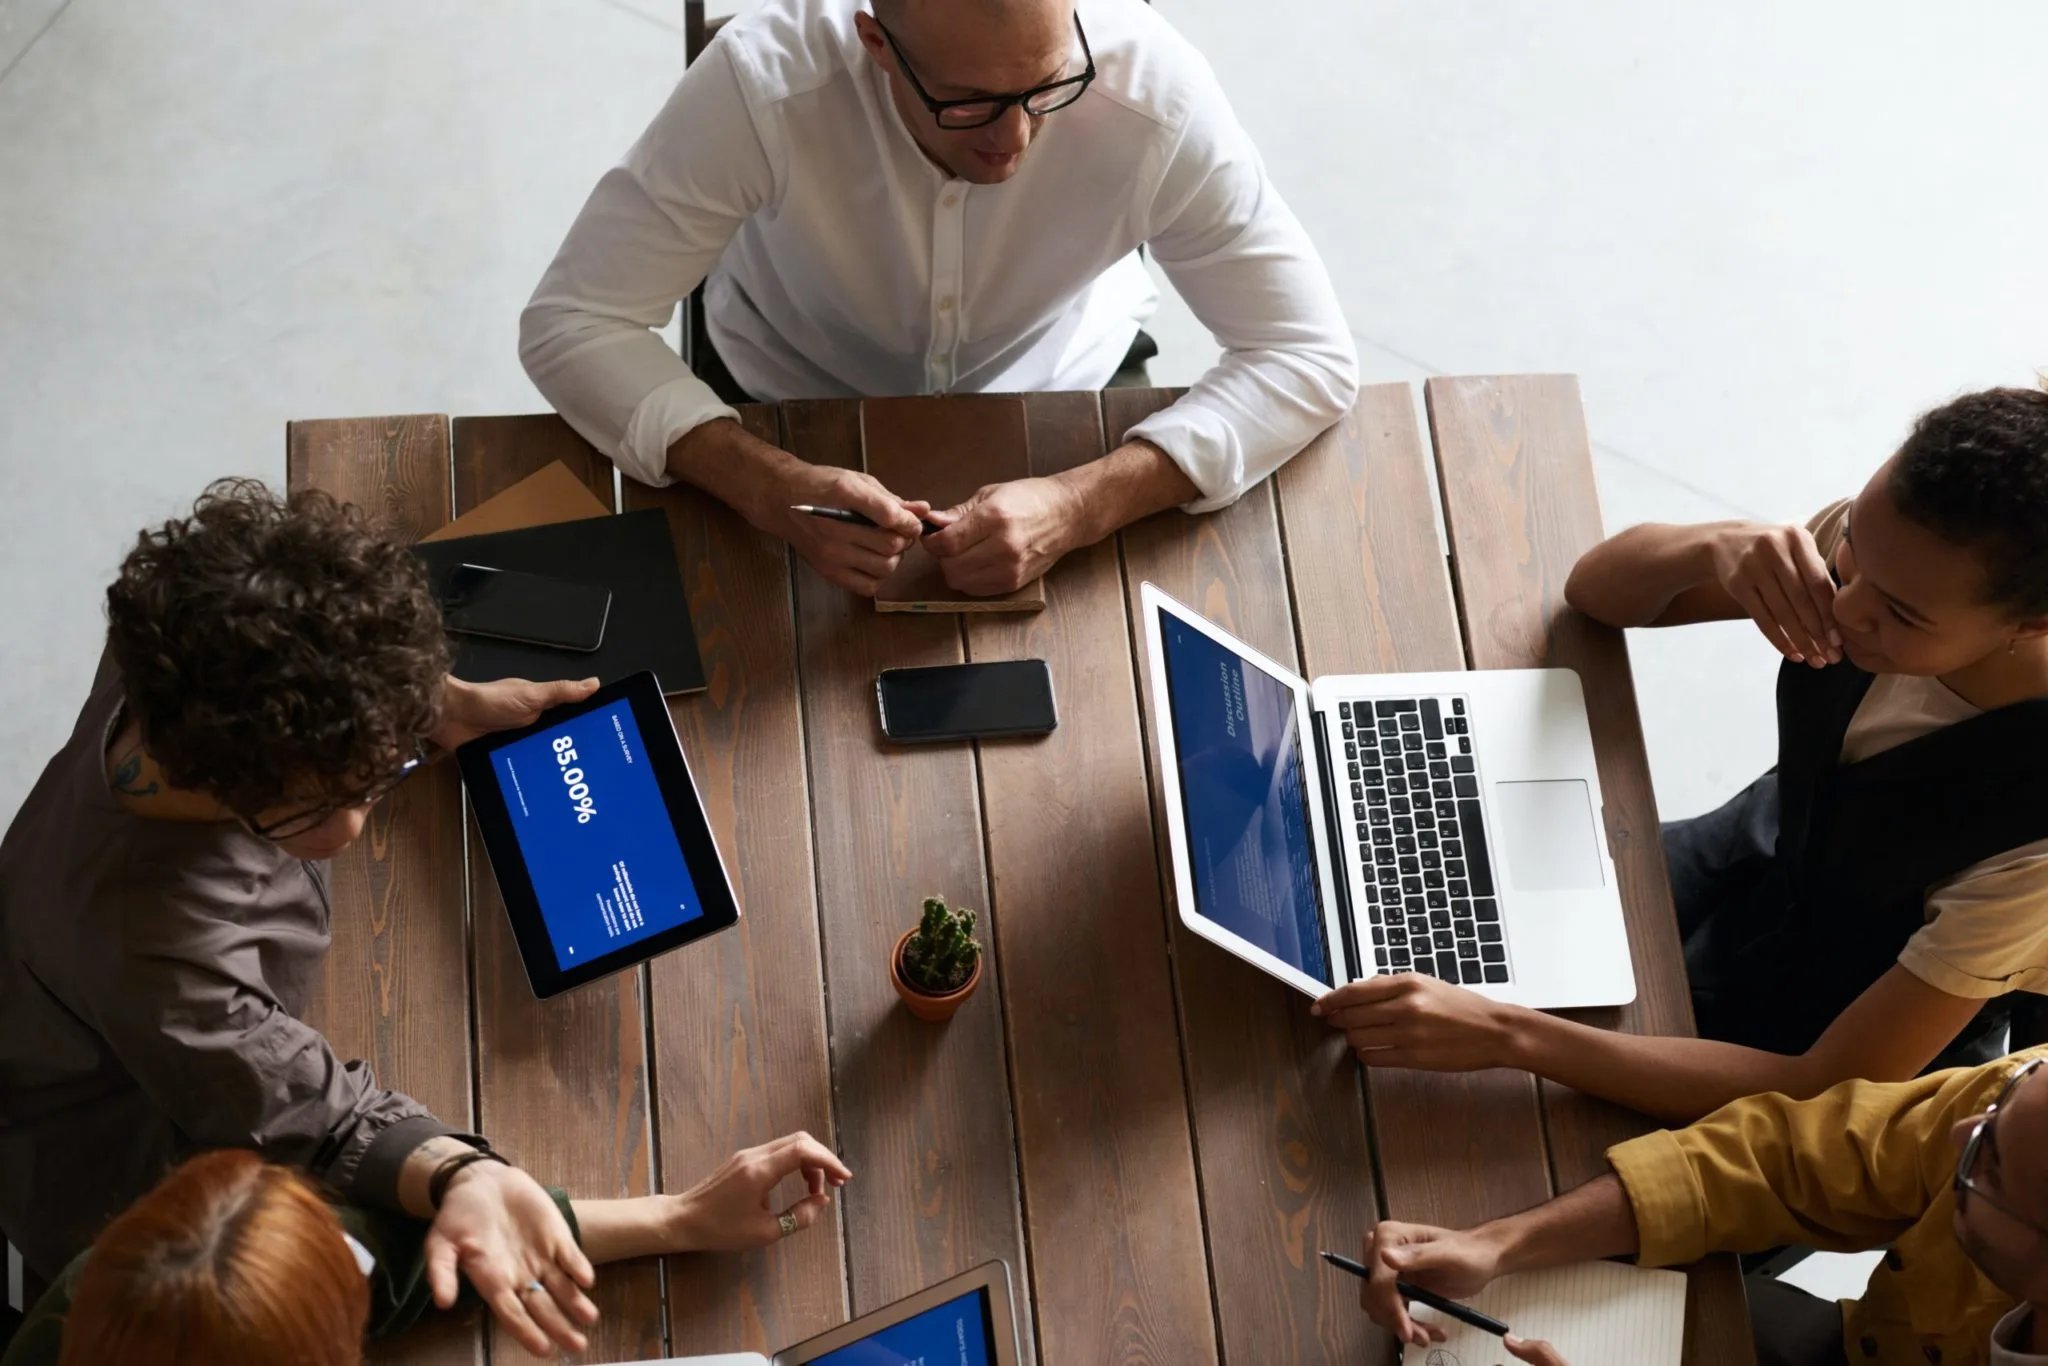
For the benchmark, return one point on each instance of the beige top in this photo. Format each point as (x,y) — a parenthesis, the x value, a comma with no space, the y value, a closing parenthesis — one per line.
(1987,927)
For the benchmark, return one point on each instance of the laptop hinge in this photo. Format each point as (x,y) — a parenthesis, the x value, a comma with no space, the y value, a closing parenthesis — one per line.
(1340,877)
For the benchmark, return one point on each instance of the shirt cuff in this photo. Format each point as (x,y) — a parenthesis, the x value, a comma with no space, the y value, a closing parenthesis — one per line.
(376,1180)
(664,417)
(568,1209)
(1917,959)
(1671,1216)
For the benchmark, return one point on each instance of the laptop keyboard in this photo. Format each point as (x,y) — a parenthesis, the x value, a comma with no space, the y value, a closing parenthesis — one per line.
(1411,790)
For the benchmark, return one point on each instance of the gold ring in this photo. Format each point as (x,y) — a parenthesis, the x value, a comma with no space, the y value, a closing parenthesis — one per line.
(788,1221)
(532,1287)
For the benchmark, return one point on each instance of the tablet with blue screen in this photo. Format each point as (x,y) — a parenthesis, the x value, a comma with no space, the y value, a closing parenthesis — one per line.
(598,838)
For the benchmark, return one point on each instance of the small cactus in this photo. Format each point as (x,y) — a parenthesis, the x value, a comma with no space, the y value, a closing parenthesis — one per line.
(940,957)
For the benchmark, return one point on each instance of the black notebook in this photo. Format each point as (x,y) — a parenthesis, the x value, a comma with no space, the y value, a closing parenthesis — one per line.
(632,554)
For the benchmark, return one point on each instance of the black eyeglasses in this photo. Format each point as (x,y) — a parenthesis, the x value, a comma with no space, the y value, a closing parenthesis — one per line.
(299,822)
(983,110)
(1983,1137)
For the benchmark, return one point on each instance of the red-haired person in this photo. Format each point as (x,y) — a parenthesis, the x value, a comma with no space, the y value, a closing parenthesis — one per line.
(273,667)
(233,1261)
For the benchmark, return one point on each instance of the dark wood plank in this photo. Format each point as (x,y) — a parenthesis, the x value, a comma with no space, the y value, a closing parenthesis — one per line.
(396,986)
(1521,506)
(924,1111)
(1372,595)
(740,1048)
(1279,1118)
(562,1084)
(1110,1199)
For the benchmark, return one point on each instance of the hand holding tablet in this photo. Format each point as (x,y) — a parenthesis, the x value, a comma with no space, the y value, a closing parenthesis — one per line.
(594,827)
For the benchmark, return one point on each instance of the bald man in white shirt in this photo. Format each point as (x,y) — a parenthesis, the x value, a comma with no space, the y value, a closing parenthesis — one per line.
(940,196)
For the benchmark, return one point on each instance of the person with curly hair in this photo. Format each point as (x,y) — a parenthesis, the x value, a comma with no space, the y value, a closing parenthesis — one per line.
(1862,910)
(273,667)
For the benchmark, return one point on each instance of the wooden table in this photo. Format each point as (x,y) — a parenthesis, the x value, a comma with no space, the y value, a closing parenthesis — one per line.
(1156,1137)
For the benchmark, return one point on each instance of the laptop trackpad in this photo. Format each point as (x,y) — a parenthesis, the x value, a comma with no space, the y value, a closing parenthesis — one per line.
(1547,835)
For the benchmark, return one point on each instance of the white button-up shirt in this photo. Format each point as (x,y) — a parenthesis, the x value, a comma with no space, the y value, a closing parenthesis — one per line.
(842,262)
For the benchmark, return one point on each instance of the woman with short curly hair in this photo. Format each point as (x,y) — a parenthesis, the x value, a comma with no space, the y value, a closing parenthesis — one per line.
(273,666)
(268,644)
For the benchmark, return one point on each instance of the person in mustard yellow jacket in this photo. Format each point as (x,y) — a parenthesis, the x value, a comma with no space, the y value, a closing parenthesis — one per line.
(1949,1172)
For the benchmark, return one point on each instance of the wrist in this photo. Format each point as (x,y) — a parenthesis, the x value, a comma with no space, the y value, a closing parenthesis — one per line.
(682,1224)
(1135,480)
(1718,544)
(739,469)
(1506,1243)
(458,697)
(1081,511)
(463,1170)
(1520,1036)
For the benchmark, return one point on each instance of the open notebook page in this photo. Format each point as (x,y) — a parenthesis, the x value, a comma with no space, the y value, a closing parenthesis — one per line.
(1595,1313)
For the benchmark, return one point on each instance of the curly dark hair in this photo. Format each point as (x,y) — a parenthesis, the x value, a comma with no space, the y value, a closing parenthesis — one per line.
(1975,472)
(276,649)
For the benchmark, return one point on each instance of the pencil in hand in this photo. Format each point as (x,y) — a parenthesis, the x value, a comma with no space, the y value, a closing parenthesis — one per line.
(1462,1313)
(853,518)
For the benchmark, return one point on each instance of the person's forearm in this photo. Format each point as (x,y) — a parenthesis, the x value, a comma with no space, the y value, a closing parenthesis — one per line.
(732,465)
(1677,1080)
(617,1230)
(1629,579)
(1135,480)
(1584,1225)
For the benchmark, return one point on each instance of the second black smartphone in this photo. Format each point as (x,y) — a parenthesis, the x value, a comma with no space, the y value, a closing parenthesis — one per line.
(509,604)
(962,701)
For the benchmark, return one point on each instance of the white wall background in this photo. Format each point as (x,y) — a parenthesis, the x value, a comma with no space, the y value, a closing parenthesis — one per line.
(1763,235)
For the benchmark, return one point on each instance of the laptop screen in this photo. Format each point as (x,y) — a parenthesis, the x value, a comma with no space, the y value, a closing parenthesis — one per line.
(1244,798)
(960,1332)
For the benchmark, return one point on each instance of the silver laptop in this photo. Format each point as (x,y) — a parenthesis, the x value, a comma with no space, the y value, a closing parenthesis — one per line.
(966,1321)
(1443,823)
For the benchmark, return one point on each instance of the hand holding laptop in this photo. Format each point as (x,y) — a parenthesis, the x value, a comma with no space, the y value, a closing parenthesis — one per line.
(1410,1020)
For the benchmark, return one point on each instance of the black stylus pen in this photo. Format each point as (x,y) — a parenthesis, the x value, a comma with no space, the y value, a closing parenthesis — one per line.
(1416,1293)
(854,518)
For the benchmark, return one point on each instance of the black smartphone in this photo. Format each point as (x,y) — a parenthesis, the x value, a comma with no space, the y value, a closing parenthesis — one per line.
(960,701)
(510,604)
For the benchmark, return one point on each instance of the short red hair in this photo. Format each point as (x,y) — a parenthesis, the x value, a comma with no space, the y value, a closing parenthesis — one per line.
(229,1262)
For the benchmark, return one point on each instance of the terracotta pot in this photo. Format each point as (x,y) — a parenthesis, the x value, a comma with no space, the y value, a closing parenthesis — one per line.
(924,1005)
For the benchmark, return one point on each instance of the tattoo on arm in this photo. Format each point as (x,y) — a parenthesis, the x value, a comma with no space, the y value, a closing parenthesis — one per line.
(128,775)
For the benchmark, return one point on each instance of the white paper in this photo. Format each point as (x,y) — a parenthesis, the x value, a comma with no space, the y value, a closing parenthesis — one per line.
(1594,1313)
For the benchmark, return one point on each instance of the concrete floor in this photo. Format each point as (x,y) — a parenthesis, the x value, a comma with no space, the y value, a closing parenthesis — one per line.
(1763,235)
